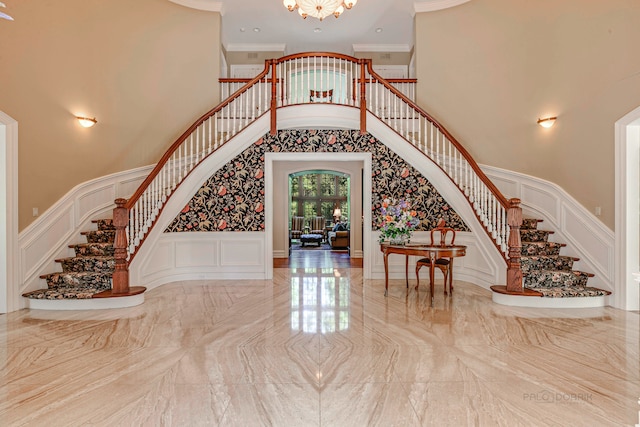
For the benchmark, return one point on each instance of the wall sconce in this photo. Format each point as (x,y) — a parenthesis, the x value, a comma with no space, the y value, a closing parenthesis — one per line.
(547,122)
(86,122)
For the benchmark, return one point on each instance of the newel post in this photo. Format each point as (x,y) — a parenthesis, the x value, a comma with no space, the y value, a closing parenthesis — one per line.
(121,273)
(363,97)
(274,98)
(514,272)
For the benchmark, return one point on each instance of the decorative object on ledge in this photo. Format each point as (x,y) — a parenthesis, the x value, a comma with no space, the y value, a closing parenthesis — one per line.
(86,122)
(547,122)
(397,221)
(319,8)
(4,15)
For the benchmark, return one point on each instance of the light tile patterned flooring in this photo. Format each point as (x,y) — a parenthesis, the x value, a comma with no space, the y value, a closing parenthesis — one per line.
(319,347)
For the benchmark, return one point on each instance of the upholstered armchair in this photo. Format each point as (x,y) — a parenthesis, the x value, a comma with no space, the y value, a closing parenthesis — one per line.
(339,239)
(317,225)
(297,227)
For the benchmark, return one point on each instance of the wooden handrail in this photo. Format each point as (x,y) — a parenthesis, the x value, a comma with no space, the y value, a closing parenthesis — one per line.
(163,160)
(237,111)
(485,179)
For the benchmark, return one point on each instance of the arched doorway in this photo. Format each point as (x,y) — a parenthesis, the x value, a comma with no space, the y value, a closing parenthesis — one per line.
(281,164)
(627,223)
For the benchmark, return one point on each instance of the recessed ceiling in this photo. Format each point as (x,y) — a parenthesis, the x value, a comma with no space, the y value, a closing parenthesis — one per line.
(376,25)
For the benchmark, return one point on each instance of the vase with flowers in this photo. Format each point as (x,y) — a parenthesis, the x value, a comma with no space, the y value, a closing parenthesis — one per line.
(397,221)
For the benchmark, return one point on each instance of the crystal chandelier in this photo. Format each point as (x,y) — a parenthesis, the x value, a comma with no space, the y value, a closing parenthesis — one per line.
(319,8)
(4,15)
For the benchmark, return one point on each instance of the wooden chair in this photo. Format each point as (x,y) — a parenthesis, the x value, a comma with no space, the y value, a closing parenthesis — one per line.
(297,227)
(321,95)
(444,264)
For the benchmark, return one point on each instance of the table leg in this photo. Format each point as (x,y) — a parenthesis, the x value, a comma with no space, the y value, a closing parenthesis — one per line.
(386,273)
(450,275)
(406,269)
(432,259)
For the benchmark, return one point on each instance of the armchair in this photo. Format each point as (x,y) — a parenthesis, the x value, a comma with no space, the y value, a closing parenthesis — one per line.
(297,227)
(317,226)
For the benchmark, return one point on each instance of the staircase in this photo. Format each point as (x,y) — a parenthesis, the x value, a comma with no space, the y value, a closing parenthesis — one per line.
(88,274)
(547,272)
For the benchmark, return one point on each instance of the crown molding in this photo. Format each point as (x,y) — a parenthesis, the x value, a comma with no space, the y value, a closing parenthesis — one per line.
(207,5)
(381,48)
(433,5)
(254,47)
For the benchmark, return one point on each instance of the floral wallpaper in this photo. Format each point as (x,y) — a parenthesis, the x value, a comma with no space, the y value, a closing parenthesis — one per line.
(232,199)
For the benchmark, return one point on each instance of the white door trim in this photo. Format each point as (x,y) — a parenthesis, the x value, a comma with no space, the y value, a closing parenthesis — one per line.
(627,195)
(270,158)
(8,213)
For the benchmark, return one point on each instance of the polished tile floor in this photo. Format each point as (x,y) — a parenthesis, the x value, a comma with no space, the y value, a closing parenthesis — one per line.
(319,346)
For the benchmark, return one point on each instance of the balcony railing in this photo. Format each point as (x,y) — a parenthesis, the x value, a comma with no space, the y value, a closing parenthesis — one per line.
(304,78)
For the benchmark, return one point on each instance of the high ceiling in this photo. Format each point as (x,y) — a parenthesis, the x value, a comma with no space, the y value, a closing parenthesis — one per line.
(266,25)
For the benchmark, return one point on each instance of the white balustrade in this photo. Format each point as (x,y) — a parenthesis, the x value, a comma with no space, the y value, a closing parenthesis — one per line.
(297,77)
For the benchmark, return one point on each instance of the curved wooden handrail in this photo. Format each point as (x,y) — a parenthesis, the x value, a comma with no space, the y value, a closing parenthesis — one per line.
(235,113)
(316,54)
(167,155)
(485,179)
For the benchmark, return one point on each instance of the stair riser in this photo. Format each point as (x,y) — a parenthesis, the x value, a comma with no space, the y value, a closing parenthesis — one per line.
(102,281)
(98,265)
(547,248)
(534,235)
(94,249)
(100,236)
(535,263)
(554,279)
(105,224)
(529,224)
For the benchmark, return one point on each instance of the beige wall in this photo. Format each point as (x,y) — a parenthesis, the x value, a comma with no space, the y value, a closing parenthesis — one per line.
(146,69)
(489,68)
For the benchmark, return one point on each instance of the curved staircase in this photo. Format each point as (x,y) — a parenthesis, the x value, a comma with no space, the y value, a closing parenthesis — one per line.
(87,276)
(549,275)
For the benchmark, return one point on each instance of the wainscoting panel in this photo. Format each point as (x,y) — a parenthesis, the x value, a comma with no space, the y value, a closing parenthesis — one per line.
(48,237)
(545,202)
(34,251)
(586,236)
(99,198)
(201,256)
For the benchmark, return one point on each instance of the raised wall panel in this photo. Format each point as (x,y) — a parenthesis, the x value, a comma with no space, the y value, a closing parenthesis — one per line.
(542,200)
(599,249)
(88,202)
(241,253)
(36,250)
(196,254)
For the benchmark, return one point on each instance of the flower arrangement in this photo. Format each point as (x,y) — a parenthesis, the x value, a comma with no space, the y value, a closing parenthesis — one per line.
(397,220)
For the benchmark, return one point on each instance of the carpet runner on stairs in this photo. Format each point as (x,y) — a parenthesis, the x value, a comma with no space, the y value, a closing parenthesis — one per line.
(546,271)
(86,274)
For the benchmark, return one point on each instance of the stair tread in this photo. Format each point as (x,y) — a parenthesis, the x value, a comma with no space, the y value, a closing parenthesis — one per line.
(77,274)
(97,257)
(65,292)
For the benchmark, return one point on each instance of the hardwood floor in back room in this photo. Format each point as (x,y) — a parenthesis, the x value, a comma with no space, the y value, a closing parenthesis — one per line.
(319,346)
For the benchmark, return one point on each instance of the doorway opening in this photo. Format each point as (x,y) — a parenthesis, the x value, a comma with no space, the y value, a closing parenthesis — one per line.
(278,168)
(319,210)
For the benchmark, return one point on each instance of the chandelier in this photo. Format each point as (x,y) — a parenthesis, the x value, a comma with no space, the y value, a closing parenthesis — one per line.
(4,15)
(319,8)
